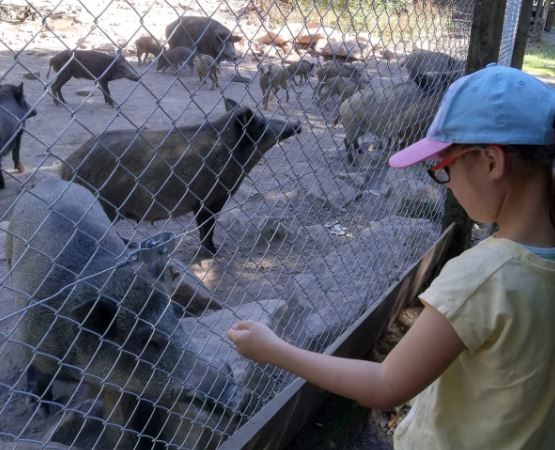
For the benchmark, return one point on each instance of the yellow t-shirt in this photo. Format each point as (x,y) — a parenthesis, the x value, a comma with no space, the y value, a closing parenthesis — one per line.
(500,393)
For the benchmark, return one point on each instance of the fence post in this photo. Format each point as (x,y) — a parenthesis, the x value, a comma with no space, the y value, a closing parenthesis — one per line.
(485,41)
(522,30)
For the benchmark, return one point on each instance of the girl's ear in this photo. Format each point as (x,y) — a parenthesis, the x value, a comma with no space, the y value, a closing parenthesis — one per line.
(497,161)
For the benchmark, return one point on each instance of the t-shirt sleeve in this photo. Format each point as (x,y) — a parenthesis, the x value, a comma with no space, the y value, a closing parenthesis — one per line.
(467,292)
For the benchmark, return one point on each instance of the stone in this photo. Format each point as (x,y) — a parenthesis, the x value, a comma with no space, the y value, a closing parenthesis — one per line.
(255,384)
(31,75)
(411,193)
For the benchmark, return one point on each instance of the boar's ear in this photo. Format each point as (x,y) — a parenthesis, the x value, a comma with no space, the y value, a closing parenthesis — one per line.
(96,314)
(244,116)
(18,92)
(230,104)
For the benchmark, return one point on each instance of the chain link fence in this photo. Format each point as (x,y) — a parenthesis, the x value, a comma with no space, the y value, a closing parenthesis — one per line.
(179,166)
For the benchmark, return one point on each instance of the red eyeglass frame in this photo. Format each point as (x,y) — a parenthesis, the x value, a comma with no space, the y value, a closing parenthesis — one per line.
(449,160)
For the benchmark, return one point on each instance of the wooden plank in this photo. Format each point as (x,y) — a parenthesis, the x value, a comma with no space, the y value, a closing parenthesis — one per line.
(278,422)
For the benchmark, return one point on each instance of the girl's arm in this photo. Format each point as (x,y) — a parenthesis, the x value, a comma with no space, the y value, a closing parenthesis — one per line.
(426,350)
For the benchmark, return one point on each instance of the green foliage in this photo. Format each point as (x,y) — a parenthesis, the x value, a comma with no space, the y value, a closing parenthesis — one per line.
(539,59)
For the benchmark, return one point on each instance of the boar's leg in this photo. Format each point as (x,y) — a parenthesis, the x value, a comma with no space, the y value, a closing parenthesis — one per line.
(38,384)
(2,182)
(106,92)
(62,78)
(206,219)
(15,153)
(352,147)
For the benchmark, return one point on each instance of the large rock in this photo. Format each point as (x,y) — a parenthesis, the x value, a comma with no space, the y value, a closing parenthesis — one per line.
(255,385)
(355,275)
(411,193)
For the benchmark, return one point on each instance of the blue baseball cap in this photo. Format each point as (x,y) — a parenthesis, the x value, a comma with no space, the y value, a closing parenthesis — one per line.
(495,105)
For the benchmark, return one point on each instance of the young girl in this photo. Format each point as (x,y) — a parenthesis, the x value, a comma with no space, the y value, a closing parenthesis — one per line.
(480,358)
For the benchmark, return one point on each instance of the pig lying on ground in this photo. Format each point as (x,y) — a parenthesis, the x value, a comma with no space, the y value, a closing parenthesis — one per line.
(203,35)
(146,45)
(176,58)
(91,65)
(117,331)
(170,173)
(13,112)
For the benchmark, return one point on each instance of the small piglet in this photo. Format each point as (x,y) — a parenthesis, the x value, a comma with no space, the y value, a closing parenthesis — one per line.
(91,65)
(271,80)
(146,45)
(205,67)
(175,58)
(13,112)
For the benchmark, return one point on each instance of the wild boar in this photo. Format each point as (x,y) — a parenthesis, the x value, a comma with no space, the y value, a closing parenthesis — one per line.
(336,69)
(170,173)
(176,58)
(302,69)
(203,35)
(14,110)
(402,111)
(146,45)
(425,61)
(116,331)
(338,87)
(271,80)
(205,67)
(91,65)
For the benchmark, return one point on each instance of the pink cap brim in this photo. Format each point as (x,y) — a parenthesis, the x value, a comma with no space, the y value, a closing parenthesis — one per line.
(419,151)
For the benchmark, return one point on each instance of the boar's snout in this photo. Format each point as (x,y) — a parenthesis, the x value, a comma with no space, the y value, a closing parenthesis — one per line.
(32,113)
(292,127)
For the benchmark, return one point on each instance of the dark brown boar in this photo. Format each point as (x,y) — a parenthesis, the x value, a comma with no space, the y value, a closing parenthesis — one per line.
(203,35)
(147,45)
(91,65)
(175,58)
(165,174)
(14,110)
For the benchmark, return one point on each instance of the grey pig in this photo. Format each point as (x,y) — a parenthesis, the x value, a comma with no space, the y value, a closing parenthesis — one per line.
(271,80)
(203,35)
(14,110)
(91,65)
(117,331)
(402,111)
(205,66)
(426,61)
(338,87)
(302,69)
(175,58)
(146,45)
(335,69)
(170,173)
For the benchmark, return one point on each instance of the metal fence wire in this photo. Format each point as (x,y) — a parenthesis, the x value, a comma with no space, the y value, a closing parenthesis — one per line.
(190,164)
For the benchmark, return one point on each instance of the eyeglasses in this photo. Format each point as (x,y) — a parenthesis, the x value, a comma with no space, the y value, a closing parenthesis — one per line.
(440,172)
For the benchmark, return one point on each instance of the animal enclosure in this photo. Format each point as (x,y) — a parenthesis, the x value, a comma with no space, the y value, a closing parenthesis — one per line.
(180,166)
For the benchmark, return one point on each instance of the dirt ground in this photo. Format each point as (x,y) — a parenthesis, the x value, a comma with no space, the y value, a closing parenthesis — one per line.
(160,100)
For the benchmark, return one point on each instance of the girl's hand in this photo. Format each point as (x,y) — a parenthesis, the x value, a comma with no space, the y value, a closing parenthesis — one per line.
(255,341)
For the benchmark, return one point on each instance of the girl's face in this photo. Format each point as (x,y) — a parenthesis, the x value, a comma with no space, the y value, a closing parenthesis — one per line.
(475,181)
